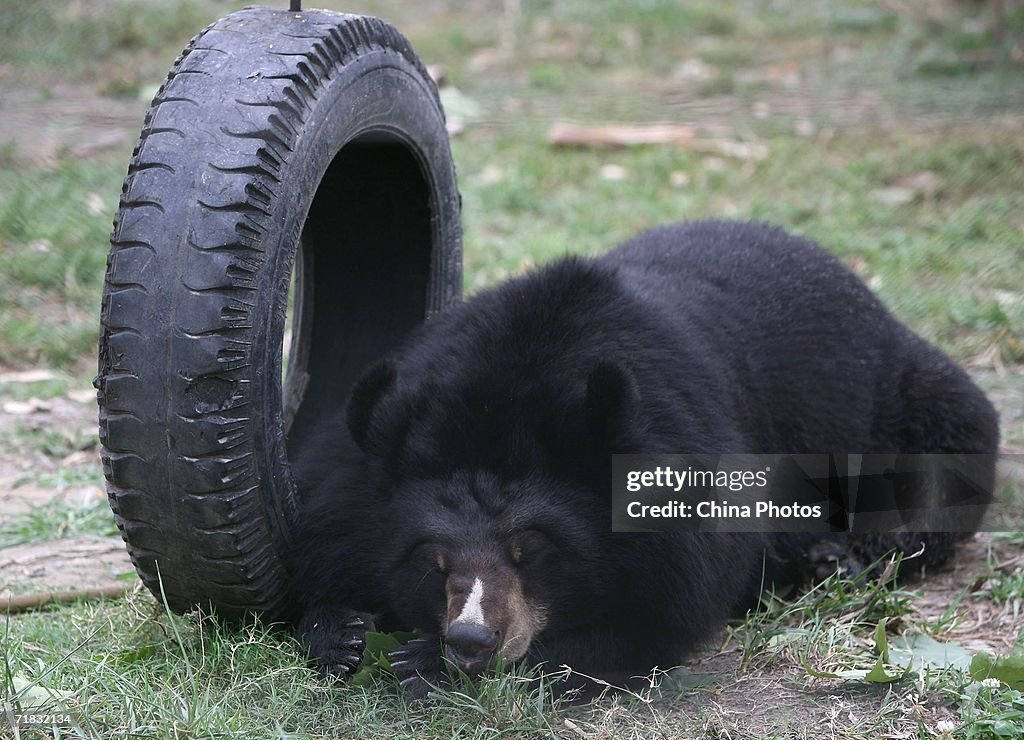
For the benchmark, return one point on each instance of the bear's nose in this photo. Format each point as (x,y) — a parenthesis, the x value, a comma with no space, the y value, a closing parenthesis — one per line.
(471,645)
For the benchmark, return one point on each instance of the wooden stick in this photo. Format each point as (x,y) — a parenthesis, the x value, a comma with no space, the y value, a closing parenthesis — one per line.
(608,136)
(565,133)
(27,602)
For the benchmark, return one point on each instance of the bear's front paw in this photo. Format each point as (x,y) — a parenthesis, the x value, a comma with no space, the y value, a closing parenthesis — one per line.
(335,640)
(419,666)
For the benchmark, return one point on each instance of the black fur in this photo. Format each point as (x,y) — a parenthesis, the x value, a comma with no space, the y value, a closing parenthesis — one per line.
(500,416)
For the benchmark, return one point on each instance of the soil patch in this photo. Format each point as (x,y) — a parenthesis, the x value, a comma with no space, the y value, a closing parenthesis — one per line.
(43,126)
(63,565)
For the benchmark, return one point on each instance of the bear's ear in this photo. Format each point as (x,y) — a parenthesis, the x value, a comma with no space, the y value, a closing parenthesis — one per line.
(612,404)
(366,394)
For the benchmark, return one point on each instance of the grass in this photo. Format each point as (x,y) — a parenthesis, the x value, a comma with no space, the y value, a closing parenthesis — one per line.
(109,39)
(54,230)
(890,134)
(1004,582)
(915,255)
(526,203)
(126,668)
(56,520)
(147,673)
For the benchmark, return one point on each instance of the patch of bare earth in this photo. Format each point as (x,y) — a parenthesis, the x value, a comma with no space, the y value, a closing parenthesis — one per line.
(41,127)
(63,565)
(26,471)
(31,478)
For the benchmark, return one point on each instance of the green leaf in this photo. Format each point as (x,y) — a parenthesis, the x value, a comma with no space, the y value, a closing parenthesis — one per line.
(790,636)
(1005,728)
(30,694)
(853,674)
(1009,669)
(681,677)
(136,654)
(879,674)
(375,655)
(923,651)
(881,643)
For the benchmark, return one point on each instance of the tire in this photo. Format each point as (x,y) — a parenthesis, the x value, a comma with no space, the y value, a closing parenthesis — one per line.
(313,139)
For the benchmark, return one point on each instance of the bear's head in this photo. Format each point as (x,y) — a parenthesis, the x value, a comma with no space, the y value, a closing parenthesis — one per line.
(497,508)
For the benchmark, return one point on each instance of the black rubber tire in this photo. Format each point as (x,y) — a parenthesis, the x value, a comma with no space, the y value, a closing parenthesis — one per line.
(270,125)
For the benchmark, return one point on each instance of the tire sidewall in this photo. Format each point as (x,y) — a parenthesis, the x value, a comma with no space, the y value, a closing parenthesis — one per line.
(378,93)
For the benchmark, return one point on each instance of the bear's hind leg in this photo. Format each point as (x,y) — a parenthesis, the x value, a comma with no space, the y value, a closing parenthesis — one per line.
(942,412)
(934,408)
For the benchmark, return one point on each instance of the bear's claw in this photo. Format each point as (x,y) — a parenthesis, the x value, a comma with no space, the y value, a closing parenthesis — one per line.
(335,641)
(418,665)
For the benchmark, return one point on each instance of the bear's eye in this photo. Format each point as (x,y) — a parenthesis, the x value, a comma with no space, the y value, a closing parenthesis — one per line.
(527,546)
(431,555)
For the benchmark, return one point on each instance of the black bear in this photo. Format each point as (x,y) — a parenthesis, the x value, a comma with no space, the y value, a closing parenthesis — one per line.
(474,503)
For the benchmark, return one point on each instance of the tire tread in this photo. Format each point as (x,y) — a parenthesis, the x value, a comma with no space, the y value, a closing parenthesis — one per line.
(177,431)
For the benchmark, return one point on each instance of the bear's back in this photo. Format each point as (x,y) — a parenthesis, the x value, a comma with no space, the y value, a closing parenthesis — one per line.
(803,337)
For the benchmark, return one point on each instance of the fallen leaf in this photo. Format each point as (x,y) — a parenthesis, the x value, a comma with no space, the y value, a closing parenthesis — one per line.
(437,74)
(894,196)
(32,695)
(805,127)
(490,175)
(23,408)
(614,173)
(879,673)
(679,179)
(695,70)
(83,395)
(460,109)
(714,164)
(682,677)
(926,182)
(920,651)
(95,204)
(28,376)
(1008,669)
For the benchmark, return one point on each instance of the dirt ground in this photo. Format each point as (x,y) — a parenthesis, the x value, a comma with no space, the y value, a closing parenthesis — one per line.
(68,120)
(30,479)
